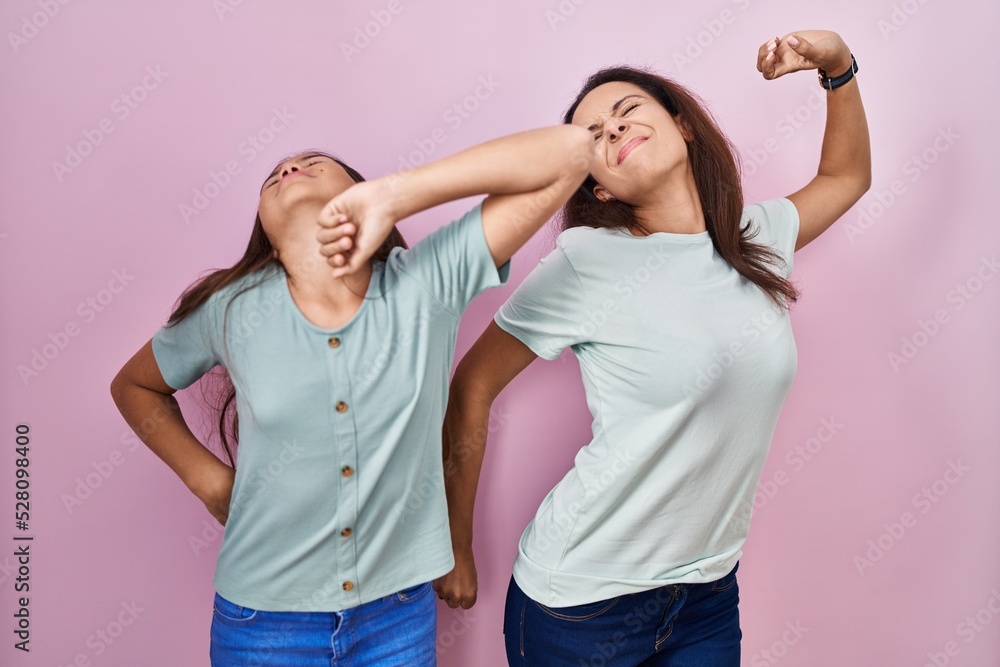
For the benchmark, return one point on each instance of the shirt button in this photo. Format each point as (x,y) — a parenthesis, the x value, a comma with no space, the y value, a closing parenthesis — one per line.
(345,532)
(334,342)
(348,586)
(347,471)
(341,406)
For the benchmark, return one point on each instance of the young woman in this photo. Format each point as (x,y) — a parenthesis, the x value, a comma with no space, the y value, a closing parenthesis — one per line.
(335,516)
(674,297)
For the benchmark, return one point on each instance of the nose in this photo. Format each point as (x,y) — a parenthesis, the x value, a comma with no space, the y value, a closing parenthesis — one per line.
(614,128)
(289,168)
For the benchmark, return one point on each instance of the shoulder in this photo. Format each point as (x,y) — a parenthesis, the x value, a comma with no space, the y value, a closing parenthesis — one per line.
(594,253)
(262,284)
(774,221)
(771,211)
(579,243)
(585,235)
(456,236)
(268,277)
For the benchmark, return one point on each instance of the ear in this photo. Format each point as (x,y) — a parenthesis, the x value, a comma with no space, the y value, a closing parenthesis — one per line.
(684,127)
(601,193)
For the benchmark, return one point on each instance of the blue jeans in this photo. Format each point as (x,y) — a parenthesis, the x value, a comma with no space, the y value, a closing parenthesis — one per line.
(398,629)
(679,625)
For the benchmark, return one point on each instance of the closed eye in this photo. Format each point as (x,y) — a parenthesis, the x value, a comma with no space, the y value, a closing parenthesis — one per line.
(626,111)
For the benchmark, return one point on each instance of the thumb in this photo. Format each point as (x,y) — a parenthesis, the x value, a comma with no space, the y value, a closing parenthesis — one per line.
(801,46)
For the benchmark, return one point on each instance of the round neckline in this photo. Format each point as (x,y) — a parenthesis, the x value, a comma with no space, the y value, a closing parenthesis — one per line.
(692,237)
(286,289)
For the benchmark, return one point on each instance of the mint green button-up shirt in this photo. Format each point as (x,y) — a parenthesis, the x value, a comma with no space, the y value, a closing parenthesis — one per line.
(339,497)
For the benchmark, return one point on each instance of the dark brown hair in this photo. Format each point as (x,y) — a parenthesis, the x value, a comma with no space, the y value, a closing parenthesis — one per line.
(257,259)
(716,175)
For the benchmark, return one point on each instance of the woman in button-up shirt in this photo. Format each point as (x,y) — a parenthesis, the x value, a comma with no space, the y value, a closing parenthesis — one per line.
(338,341)
(673,295)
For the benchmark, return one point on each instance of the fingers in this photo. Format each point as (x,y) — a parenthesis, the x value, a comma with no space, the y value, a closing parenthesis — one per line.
(334,229)
(339,255)
(331,221)
(795,51)
(329,216)
(456,601)
(337,242)
(336,245)
(767,58)
(347,262)
(341,264)
(780,56)
(454,598)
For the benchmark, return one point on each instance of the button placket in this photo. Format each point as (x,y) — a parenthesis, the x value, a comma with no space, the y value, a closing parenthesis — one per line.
(345,446)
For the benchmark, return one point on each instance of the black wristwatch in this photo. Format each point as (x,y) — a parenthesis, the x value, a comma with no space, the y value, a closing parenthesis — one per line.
(839,81)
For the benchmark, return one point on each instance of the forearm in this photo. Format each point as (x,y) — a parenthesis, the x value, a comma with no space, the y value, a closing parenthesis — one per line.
(466,428)
(156,418)
(846,151)
(523,162)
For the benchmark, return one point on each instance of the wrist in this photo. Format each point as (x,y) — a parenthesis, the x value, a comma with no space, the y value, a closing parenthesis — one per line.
(203,480)
(461,541)
(396,192)
(833,81)
(840,67)
(463,552)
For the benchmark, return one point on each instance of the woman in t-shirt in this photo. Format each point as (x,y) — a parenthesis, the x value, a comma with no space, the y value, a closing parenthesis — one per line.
(338,341)
(673,296)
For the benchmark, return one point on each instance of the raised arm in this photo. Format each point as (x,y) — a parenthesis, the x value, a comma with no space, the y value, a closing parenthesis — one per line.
(494,360)
(845,165)
(527,176)
(147,403)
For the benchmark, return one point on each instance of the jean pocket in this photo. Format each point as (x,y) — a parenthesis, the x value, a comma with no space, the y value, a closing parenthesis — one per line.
(580,612)
(230,613)
(412,593)
(727,581)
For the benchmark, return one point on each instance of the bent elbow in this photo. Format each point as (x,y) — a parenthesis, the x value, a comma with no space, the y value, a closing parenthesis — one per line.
(863,186)
(866,181)
(117,388)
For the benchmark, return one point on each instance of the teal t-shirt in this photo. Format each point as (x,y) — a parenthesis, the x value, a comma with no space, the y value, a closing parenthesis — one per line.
(686,365)
(339,496)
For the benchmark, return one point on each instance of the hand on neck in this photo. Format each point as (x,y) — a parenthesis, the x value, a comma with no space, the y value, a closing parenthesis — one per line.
(309,273)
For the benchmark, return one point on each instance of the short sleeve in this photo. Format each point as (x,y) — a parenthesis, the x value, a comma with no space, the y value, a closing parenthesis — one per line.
(454,262)
(547,310)
(190,348)
(778,220)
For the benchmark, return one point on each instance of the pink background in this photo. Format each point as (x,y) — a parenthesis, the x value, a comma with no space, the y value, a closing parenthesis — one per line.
(867,284)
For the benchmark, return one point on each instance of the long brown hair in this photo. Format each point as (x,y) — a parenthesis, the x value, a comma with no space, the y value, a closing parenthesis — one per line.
(257,259)
(716,175)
